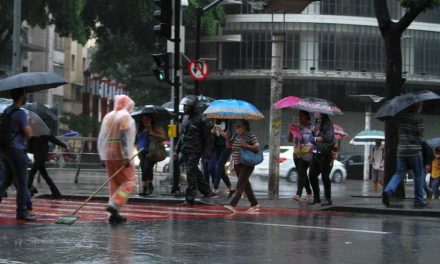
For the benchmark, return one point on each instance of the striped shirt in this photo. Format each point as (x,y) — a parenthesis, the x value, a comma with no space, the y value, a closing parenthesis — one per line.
(410,127)
(247,137)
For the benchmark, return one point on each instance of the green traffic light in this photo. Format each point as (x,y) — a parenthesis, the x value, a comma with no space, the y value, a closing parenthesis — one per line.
(161,76)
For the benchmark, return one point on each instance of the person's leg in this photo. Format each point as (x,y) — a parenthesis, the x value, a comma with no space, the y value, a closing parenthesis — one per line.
(176,174)
(121,186)
(241,184)
(326,167)
(19,175)
(398,176)
(142,165)
(211,167)
(247,172)
(434,187)
(192,167)
(300,180)
(149,175)
(53,188)
(313,175)
(220,174)
(419,178)
(375,180)
(305,167)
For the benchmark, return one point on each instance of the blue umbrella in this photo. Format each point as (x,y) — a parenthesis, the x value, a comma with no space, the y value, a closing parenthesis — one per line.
(233,109)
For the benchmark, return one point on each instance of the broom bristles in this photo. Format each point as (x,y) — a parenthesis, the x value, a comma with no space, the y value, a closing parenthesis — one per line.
(66,219)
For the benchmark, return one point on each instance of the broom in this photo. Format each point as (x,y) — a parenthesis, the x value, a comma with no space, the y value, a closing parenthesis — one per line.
(70,219)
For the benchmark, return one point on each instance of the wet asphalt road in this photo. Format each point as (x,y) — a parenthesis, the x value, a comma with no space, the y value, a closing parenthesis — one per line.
(299,238)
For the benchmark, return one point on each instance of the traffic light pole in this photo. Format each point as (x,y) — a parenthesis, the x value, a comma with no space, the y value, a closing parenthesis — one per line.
(200,11)
(174,164)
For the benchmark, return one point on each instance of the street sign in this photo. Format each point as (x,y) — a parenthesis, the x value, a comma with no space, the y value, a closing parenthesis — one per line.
(198,70)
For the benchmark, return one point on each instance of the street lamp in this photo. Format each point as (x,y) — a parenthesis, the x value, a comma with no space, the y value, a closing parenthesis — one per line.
(368,99)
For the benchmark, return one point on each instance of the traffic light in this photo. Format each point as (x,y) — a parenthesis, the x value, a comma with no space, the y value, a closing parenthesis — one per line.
(161,69)
(165,17)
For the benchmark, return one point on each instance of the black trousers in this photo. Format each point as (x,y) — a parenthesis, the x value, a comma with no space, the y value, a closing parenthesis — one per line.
(243,185)
(38,165)
(195,178)
(147,167)
(321,163)
(303,180)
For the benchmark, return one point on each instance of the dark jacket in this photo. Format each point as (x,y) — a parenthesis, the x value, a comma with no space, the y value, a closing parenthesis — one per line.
(195,135)
(39,146)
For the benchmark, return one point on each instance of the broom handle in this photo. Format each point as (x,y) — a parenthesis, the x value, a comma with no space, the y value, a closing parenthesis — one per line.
(102,186)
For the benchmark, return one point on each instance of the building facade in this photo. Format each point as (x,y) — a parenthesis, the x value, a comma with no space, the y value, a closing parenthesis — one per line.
(332,50)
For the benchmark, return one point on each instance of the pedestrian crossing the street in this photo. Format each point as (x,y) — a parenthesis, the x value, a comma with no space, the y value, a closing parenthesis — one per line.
(47,211)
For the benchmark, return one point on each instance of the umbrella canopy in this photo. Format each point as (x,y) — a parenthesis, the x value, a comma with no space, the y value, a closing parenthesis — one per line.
(39,128)
(202,103)
(31,82)
(158,113)
(40,109)
(316,105)
(233,109)
(71,133)
(367,137)
(339,132)
(170,107)
(287,102)
(399,103)
(434,142)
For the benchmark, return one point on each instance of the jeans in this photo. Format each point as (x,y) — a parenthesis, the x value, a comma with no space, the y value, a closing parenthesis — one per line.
(195,178)
(434,186)
(14,161)
(2,177)
(321,164)
(303,180)
(404,163)
(243,185)
(220,155)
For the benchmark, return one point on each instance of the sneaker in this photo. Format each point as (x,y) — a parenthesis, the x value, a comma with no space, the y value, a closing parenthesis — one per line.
(230,208)
(429,195)
(33,191)
(187,203)
(254,208)
(117,219)
(231,192)
(386,199)
(296,198)
(211,195)
(420,205)
(326,203)
(315,201)
(26,218)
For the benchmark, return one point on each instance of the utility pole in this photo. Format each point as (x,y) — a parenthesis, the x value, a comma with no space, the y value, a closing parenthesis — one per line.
(199,13)
(16,33)
(276,90)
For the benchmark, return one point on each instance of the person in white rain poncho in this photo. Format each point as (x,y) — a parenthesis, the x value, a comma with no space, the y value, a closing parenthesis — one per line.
(115,147)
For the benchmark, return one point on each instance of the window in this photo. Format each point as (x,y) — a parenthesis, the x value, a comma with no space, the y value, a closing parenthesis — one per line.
(72,62)
(59,43)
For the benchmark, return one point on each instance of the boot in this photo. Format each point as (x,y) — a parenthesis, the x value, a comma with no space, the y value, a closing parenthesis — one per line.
(144,191)
(150,188)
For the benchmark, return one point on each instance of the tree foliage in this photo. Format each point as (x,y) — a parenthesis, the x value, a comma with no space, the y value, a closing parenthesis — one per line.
(85,125)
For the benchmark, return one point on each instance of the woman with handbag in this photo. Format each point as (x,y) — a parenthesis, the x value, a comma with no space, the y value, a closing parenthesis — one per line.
(243,141)
(300,135)
(147,130)
(323,139)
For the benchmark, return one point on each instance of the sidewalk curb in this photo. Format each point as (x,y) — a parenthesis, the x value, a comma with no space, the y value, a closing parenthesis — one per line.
(171,200)
(386,211)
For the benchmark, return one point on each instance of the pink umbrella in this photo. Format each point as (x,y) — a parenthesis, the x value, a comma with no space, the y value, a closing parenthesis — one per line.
(339,132)
(287,102)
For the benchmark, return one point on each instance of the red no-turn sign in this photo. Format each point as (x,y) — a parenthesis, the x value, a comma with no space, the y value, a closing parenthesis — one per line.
(198,70)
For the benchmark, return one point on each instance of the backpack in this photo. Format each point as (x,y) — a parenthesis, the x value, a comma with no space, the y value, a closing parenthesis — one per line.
(156,150)
(6,133)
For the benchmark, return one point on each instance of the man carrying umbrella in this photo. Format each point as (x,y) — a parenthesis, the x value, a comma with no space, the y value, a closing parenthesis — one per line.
(15,130)
(409,154)
(194,140)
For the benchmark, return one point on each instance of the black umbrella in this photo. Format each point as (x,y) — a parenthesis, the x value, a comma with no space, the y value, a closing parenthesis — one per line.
(158,113)
(202,103)
(31,82)
(434,142)
(399,103)
(48,116)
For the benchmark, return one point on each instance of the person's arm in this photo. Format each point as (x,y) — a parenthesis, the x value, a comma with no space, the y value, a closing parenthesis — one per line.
(204,124)
(159,133)
(123,139)
(56,141)
(252,144)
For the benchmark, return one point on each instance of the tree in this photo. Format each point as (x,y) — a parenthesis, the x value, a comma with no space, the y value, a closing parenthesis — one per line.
(392,33)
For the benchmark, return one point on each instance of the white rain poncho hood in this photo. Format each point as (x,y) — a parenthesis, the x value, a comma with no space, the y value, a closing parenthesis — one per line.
(118,131)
